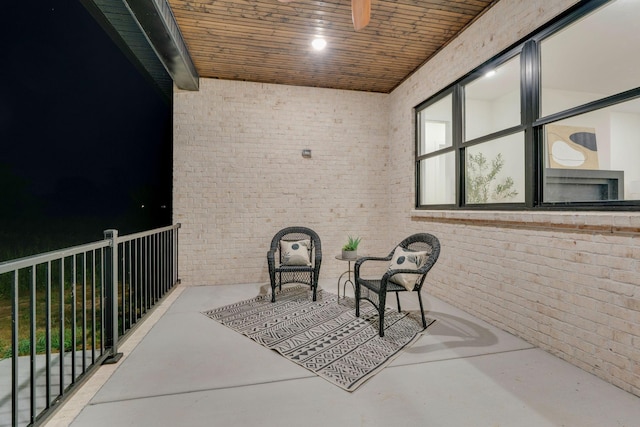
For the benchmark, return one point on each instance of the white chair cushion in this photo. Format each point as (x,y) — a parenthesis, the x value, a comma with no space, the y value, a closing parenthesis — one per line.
(295,253)
(406,260)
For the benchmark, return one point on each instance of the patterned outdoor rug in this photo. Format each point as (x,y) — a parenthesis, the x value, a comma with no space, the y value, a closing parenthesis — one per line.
(324,336)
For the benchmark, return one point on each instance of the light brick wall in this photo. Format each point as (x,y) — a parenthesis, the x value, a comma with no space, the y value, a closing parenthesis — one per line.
(567,282)
(239,175)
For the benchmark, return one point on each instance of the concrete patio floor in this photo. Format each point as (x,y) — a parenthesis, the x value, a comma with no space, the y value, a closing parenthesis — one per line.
(181,368)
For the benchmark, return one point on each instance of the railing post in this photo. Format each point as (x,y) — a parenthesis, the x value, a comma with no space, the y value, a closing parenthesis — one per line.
(111,296)
(176,254)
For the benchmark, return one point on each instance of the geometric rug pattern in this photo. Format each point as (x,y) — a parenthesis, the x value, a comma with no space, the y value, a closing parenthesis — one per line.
(323,336)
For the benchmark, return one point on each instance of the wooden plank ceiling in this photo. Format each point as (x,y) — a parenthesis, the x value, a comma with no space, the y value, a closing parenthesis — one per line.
(270,41)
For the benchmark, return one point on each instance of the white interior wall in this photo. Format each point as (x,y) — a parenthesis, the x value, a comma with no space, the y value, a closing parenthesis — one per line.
(625,151)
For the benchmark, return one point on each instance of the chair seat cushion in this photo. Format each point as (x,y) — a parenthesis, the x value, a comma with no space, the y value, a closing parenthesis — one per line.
(295,252)
(406,260)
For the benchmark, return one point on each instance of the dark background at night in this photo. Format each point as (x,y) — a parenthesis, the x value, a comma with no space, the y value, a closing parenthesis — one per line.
(85,139)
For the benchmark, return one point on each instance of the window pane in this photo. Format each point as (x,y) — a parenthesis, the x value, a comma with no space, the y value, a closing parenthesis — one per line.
(492,102)
(593,58)
(495,171)
(594,156)
(437,180)
(434,126)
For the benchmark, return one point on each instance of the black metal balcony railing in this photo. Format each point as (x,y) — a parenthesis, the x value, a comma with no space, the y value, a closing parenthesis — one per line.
(69,309)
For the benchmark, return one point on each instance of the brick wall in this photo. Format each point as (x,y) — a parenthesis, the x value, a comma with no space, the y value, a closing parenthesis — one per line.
(566,282)
(239,175)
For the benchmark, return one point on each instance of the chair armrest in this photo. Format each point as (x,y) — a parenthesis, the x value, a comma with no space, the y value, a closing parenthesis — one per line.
(371,258)
(317,255)
(317,260)
(271,260)
(360,261)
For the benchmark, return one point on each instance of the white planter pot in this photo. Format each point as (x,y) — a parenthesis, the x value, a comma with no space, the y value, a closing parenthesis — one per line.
(349,254)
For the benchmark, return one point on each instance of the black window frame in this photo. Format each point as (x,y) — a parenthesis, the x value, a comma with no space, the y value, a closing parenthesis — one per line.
(419,157)
(531,123)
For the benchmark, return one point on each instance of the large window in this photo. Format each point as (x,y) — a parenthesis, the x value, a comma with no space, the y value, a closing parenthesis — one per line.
(591,58)
(594,156)
(492,102)
(553,122)
(436,159)
(494,171)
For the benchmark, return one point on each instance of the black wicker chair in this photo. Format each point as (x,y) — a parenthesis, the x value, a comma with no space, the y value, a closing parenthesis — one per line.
(375,290)
(282,272)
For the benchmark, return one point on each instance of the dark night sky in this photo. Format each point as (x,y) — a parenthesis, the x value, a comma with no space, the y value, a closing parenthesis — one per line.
(85,139)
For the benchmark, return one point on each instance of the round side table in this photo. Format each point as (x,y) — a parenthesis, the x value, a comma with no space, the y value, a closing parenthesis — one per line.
(347,273)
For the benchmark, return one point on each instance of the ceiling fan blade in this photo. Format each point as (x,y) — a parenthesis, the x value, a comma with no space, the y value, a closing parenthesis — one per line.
(360,13)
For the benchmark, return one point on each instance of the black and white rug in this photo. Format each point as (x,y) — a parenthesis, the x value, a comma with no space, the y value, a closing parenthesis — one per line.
(324,336)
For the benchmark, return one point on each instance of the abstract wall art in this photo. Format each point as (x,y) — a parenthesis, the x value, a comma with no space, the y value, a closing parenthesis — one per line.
(571,147)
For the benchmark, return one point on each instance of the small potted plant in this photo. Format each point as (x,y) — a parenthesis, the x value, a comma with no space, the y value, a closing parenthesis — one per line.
(350,249)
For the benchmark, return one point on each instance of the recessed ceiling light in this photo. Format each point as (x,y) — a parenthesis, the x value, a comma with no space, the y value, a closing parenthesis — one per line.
(319,43)
(490,73)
